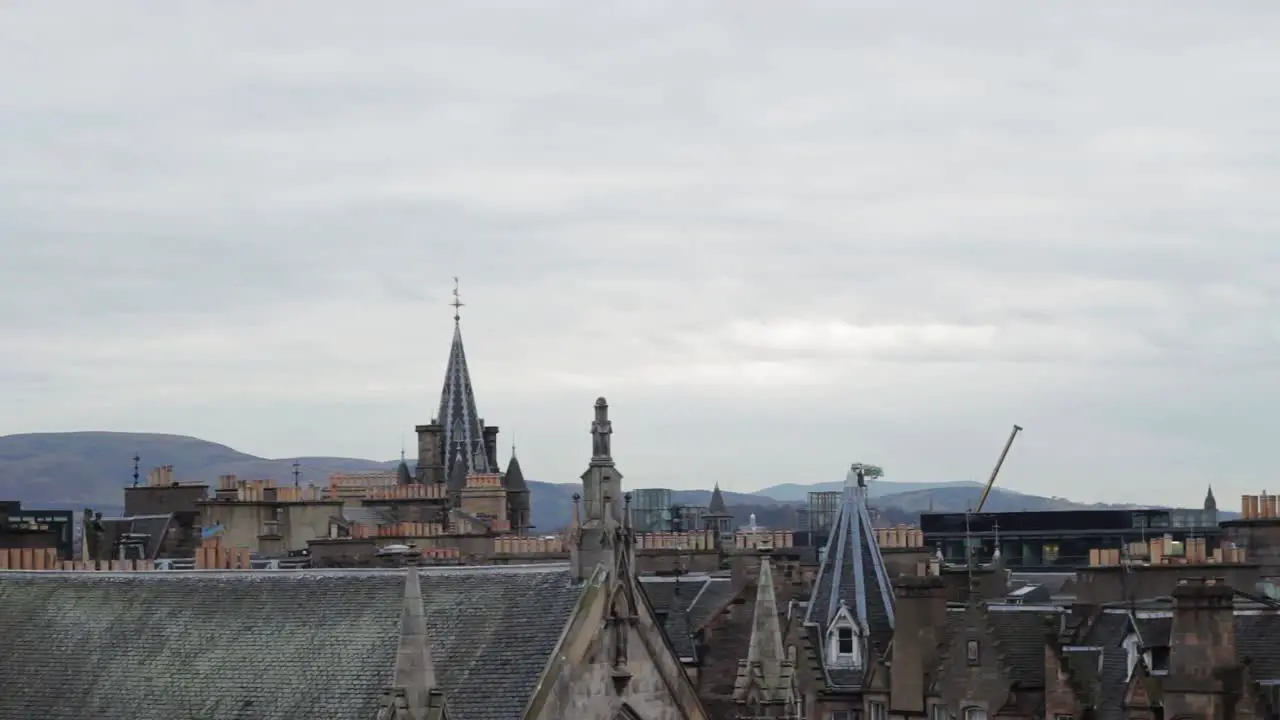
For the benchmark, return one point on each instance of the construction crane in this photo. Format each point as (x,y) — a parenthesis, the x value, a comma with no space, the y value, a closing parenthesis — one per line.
(996,470)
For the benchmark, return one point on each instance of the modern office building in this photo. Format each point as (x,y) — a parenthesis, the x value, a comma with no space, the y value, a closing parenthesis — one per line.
(1063,538)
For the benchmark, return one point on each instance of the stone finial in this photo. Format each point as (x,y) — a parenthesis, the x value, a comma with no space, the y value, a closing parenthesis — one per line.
(601,430)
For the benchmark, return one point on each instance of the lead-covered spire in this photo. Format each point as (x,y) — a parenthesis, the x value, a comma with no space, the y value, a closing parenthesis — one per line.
(461,428)
(851,610)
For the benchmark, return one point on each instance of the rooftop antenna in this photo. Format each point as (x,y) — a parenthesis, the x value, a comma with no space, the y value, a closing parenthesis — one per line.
(968,545)
(297,473)
(136,460)
(457,302)
(401,447)
(995,527)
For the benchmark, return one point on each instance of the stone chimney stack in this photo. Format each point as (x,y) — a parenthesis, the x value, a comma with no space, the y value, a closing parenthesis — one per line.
(1203,679)
(920,625)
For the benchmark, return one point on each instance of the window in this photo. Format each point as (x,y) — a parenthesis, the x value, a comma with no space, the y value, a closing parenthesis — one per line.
(974,713)
(1158,660)
(840,715)
(971,652)
(1050,553)
(876,711)
(1061,717)
(939,712)
(844,641)
(845,636)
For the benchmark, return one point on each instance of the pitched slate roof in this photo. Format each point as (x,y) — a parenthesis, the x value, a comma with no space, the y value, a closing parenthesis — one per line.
(1021,631)
(710,601)
(852,573)
(671,598)
(270,645)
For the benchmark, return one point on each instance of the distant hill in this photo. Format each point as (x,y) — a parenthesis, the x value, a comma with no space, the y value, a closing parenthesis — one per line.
(78,469)
(72,470)
(794,492)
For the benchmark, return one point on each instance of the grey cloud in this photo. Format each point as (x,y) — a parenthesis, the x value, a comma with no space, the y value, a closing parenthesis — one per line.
(241,222)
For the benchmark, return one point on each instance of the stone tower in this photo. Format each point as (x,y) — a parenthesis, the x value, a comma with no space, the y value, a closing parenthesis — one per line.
(597,539)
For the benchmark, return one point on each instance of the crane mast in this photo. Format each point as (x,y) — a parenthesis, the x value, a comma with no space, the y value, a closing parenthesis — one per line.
(996,470)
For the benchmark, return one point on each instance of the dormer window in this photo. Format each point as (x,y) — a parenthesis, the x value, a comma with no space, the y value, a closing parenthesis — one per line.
(844,641)
(971,652)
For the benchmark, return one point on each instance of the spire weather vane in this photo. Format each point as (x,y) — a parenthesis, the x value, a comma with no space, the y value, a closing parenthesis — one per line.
(457,303)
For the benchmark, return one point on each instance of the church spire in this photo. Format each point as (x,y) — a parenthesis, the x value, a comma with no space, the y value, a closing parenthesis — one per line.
(461,426)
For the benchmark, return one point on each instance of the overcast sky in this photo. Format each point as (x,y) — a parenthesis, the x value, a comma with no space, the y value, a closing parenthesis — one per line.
(779,237)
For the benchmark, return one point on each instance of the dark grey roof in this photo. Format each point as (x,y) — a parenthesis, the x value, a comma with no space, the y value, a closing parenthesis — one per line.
(367,515)
(403,476)
(1256,640)
(1154,631)
(853,573)
(1108,632)
(1022,632)
(270,645)
(685,604)
(710,601)
(670,599)
(154,526)
(513,479)
(463,433)
(716,507)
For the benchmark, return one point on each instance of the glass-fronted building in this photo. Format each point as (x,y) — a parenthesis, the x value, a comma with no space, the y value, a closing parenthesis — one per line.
(1060,538)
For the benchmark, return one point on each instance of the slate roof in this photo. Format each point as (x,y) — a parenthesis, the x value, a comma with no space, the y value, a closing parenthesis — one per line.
(270,645)
(1021,632)
(367,515)
(513,478)
(853,573)
(671,598)
(715,595)
(1108,631)
(463,434)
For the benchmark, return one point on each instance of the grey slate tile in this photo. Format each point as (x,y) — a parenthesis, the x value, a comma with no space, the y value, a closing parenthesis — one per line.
(269,645)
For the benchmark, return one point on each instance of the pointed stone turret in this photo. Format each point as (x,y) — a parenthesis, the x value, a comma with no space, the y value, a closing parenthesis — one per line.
(851,610)
(602,500)
(1210,502)
(414,694)
(518,506)
(403,476)
(765,687)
